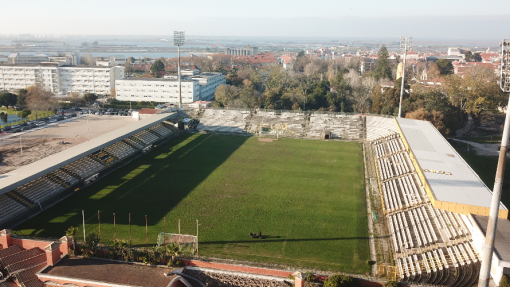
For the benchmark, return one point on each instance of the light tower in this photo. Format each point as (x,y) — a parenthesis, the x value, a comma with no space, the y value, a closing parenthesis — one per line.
(405,45)
(179,41)
(490,237)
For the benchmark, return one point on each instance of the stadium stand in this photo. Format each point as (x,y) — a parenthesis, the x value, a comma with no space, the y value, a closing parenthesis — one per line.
(37,185)
(309,125)
(421,234)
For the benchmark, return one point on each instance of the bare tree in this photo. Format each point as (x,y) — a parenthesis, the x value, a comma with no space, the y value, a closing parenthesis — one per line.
(361,90)
(39,100)
(88,59)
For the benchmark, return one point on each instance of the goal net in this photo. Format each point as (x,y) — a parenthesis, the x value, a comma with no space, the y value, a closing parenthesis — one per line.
(188,244)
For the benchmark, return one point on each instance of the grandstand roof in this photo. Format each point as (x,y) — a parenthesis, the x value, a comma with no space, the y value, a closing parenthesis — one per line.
(27,173)
(448,175)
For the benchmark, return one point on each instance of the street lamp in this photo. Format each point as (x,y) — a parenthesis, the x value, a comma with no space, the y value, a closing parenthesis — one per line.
(488,245)
(405,45)
(179,41)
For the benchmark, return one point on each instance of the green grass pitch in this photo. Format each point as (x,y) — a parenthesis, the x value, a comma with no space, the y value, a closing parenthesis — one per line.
(307,197)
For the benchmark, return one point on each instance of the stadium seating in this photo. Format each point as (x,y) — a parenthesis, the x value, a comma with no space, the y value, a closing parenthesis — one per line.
(71,180)
(161,130)
(380,127)
(85,167)
(120,150)
(39,189)
(29,195)
(9,208)
(413,222)
(146,137)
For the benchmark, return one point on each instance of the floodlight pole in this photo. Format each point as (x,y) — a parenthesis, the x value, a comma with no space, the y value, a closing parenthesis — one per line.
(490,237)
(405,44)
(179,74)
(179,41)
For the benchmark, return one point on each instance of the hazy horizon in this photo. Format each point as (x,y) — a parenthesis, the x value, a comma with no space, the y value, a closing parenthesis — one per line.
(434,19)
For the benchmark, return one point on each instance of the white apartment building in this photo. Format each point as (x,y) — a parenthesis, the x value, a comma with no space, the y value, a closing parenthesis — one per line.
(208,84)
(60,79)
(70,58)
(156,90)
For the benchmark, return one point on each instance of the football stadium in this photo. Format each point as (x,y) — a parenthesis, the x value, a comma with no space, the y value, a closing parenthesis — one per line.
(328,192)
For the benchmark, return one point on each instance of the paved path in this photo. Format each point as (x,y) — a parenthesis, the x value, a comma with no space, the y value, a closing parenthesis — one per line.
(483,149)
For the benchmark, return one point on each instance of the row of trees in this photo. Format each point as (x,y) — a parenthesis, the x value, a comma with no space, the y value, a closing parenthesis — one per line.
(337,86)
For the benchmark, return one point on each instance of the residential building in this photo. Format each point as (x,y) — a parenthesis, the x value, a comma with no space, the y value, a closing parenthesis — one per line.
(72,58)
(17,59)
(60,79)
(156,90)
(247,51)
(456,52)
(209,82)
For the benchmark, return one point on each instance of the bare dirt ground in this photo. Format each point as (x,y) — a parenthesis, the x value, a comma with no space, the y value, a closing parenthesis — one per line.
(44,142)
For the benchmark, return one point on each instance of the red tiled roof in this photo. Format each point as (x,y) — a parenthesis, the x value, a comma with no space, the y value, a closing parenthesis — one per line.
(145,111)
(20,256)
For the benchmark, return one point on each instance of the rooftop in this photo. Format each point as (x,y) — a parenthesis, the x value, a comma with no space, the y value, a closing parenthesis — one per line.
(153,80)
(448,175)
(109,271)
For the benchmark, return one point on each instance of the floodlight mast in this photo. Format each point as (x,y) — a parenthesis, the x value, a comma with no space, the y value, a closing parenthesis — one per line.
(490,237)
(405,45)
(179,41)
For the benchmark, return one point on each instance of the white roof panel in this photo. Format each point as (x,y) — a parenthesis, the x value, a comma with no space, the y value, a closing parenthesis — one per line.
(459,183)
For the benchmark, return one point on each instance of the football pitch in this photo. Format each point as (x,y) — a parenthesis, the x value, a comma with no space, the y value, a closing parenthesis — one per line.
(306,197)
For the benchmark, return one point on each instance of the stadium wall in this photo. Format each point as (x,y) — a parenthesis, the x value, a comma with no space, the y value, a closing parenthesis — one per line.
(465,209)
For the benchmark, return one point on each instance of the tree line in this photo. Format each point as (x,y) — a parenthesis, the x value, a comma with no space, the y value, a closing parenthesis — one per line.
(338,86)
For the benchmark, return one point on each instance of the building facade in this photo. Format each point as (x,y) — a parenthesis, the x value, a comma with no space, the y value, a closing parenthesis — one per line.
(156,90)
(71,58)
(60,79)
(247,51)
(209,82)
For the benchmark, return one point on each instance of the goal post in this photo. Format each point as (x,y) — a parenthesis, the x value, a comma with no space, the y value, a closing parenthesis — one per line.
(188,244)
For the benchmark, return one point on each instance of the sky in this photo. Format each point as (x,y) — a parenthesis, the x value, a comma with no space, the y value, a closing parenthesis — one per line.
(457,19)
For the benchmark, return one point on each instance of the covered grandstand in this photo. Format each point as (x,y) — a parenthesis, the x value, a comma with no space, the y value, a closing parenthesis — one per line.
(418,171)
(34,187)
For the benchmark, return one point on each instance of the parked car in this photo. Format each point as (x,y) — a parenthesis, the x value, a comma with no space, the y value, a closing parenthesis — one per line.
(54,120)
(41,123)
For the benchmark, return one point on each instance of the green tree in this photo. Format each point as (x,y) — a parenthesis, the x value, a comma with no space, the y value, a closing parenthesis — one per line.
(91,244)
(248,96)
(71,232)
(505,281)
(3,117)
(341,281)
(477,57)
(22,94)
(24,114)
(8,99)
(445,67)
(225,95)
(392,284)
(382,68)
(89,98)
(468,56)
(156,68)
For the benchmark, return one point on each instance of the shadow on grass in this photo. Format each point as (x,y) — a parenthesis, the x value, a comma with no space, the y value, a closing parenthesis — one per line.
(149,186)
(258,240)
